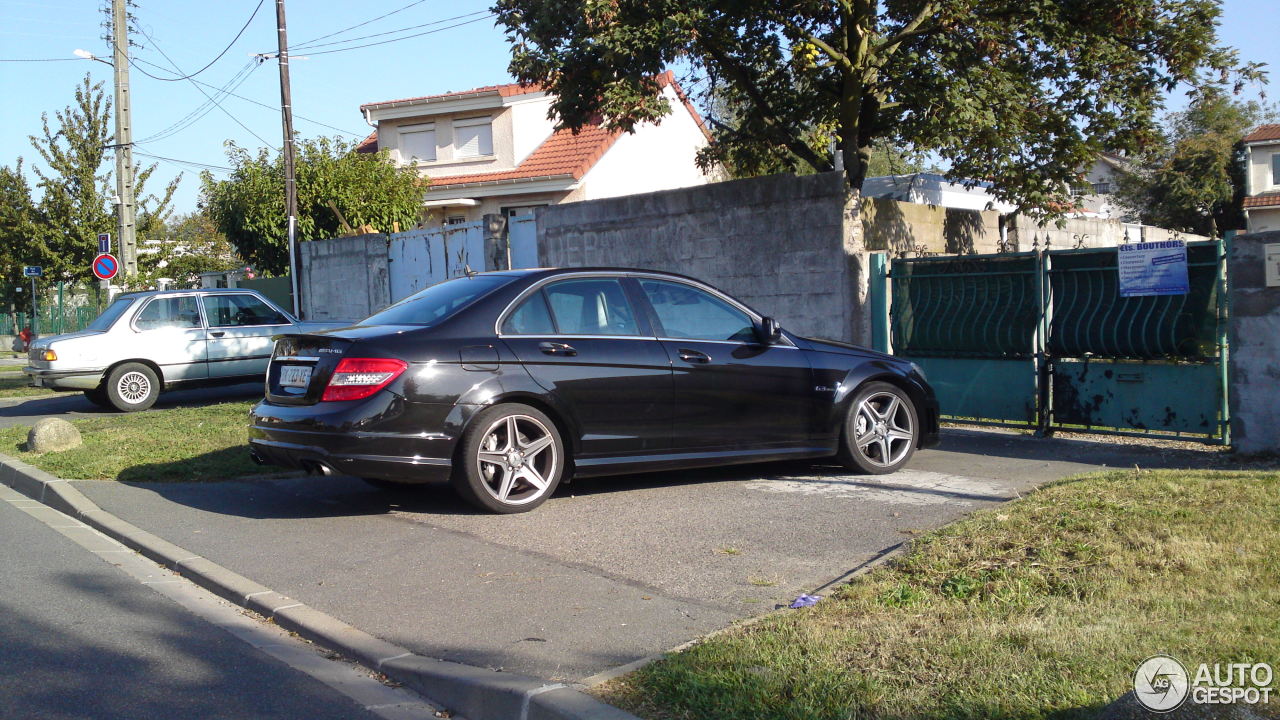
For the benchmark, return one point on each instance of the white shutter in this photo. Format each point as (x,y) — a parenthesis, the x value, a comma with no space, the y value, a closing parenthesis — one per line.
(473,137)
(418,141)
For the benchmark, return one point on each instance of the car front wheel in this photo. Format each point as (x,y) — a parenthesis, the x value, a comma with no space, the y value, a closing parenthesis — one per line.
(132,387)
(510,460)
(880,431)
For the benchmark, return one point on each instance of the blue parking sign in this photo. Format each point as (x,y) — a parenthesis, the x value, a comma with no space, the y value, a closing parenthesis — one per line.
(104,243)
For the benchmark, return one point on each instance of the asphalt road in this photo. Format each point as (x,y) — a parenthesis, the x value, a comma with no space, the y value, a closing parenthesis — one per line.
(609,570)
(79,638)
(70,405)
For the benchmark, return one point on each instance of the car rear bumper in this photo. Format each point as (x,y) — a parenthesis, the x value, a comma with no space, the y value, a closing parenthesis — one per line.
(64,379)
(370,438)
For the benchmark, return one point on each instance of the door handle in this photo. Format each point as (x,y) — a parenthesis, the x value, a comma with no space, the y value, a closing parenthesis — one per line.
(550,348)
(218,333)
(693,356)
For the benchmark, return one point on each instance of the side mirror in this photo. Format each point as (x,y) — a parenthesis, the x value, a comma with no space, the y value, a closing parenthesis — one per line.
(770,331)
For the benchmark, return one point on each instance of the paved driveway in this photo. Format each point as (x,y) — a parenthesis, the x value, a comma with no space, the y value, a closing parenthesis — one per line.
(609,570)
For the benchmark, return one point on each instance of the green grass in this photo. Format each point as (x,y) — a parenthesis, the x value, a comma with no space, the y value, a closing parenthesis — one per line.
(19,385)
(1040,608)
(175,445)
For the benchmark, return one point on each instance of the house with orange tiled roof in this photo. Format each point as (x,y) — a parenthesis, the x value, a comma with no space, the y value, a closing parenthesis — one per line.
(494,150)
(1262,179)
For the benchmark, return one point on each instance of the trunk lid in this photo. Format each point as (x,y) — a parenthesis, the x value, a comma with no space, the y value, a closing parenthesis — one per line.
(301,367)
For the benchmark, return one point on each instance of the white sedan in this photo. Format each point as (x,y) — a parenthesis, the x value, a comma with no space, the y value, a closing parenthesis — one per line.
(147,342)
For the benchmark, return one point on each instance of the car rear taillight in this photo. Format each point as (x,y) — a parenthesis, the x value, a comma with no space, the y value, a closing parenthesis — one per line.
(358,378)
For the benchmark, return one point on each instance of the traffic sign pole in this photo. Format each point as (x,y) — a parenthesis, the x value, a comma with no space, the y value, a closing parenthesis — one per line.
(35,314)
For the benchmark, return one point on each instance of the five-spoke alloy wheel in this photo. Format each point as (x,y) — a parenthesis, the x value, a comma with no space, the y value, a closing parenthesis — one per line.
(512,459)
(879,434)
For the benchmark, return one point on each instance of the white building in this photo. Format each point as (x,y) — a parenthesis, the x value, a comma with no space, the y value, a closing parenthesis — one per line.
(1262,179)
(494,150)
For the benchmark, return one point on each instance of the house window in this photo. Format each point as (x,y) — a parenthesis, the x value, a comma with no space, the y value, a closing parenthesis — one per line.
(1102,188)
(1081,189)
(418,142)
(455,220)
(473,137)
(1275,169)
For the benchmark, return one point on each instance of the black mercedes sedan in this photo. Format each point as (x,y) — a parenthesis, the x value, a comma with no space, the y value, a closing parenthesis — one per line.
(509,382)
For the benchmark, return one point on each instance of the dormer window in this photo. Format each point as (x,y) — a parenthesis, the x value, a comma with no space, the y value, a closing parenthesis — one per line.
(473,137)
(418,143)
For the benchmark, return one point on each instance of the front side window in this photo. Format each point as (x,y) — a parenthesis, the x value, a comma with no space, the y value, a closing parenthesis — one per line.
(170,312)
(472,137)
(591,306)
(689,313)
(240,311)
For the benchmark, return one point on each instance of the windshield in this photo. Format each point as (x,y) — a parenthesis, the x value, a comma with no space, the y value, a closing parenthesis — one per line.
(110,315)
(437,302)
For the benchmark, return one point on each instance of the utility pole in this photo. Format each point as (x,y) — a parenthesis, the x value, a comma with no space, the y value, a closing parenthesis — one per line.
(125,210)
(290,186)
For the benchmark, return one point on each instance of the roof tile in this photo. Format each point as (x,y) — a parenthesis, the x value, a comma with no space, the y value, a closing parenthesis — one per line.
(1264,132)
(562,154)
(1271,199)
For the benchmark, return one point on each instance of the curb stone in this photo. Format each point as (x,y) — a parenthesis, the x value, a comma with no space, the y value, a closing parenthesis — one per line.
(473,692)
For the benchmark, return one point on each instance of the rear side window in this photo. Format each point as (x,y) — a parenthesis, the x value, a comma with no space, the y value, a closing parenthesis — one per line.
(591,306)
(531,318)
(170,312)
(110,315)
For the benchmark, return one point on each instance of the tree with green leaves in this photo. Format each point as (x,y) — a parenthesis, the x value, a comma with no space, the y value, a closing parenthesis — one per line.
(18,225)
(189,245)
(1193,180)
(1020,93)
(75,196)
(338,190)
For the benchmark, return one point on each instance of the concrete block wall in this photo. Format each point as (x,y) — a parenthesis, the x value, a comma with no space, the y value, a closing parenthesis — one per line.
(777,243)
(908,229)
(1254,347)
(343,278)
(1026,233)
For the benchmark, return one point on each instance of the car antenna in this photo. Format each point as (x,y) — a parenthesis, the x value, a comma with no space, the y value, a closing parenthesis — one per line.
(468,271)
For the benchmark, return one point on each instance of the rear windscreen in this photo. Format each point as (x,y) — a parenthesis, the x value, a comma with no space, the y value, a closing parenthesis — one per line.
(437,302)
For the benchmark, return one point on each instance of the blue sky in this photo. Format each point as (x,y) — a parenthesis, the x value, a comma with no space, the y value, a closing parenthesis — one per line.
(461,49)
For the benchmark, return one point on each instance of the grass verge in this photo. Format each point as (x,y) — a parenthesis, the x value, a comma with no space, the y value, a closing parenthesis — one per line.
(12,385)
(1040,608)
(176,445)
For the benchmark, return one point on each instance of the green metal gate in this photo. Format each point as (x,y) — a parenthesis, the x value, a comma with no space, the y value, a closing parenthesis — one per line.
(1044,340)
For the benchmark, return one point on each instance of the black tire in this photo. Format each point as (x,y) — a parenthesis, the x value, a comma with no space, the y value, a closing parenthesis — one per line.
(879,435)
(132,387)
(98,397)
(536,456)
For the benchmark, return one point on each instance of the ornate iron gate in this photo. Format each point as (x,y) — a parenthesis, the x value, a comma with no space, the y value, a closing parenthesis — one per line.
(1044,340)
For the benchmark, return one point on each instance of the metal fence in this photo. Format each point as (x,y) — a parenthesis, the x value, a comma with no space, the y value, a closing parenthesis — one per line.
(62,308)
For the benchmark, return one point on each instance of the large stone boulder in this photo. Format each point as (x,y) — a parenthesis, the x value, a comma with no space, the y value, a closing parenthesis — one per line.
(53,435)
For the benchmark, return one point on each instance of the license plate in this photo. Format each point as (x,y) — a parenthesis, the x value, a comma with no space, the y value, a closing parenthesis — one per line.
(295,376)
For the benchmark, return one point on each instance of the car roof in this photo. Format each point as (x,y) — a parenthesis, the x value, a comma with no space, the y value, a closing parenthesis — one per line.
(551,272)
(182,291)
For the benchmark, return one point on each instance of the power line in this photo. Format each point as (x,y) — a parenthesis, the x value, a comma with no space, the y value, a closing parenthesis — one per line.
(299,48)
(207,95)
(193,163)
(204,108)
(276,108)
(39,59)
(353,27)
(406,37)
(211,62)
